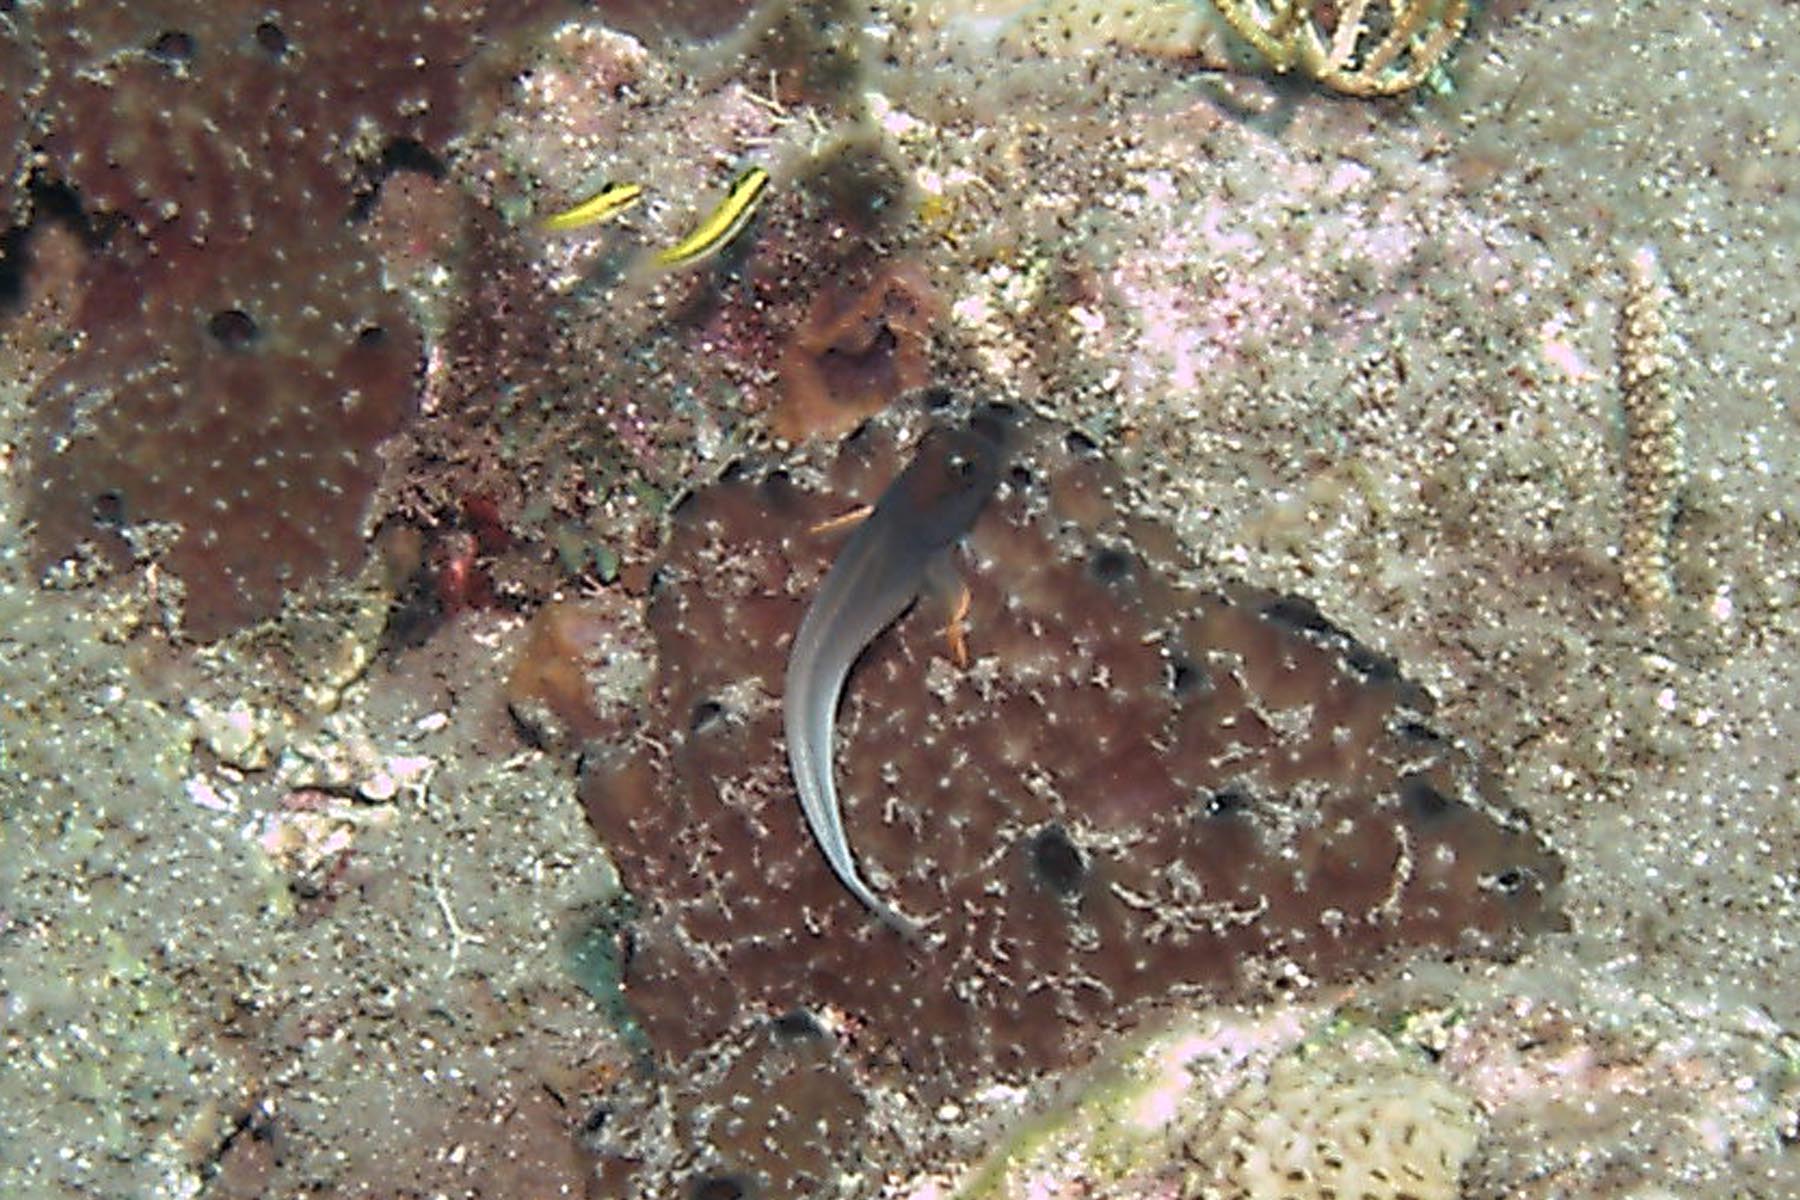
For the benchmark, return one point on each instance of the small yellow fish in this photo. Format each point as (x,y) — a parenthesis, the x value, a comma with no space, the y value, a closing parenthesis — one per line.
(722,224)
(603,205)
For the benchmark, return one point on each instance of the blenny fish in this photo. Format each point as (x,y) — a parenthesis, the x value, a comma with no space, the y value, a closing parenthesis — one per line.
(1152,787)
(897,551)
(720,226)
(605,204)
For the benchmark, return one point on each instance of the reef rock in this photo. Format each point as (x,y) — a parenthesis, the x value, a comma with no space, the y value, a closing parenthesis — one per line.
(1139,792)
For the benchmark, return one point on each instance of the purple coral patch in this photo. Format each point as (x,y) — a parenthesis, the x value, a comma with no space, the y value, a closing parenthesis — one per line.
(1139,790)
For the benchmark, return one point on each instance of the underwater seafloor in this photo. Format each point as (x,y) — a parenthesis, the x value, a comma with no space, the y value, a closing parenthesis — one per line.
(298,892)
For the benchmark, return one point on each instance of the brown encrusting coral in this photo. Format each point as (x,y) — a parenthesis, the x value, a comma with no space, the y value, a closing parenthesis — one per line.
(1138,791)
(240,356)
(211,396)
(857,350)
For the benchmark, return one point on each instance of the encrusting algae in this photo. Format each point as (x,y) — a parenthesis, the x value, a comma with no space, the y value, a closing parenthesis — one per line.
(1138,792)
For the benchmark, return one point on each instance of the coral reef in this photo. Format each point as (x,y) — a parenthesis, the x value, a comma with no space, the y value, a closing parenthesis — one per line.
(1354,351)
(1347,47)
(1138,790)
(241,358)
(1295,1103)
(1583,1099)
(211,396)
(608,382)
(1349,1116)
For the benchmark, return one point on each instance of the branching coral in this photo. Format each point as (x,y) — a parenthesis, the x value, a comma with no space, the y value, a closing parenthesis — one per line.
(1359,47)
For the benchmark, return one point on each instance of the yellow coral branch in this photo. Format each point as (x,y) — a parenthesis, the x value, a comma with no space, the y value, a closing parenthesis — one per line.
(1653,457)
(1350,54)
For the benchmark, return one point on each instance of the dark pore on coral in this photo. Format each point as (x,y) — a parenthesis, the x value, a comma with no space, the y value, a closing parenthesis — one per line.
(1137,793)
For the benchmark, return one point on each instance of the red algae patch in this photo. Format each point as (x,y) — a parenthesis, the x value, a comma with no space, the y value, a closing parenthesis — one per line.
(1140,792)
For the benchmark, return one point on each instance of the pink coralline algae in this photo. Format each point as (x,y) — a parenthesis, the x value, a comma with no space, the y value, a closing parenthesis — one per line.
(239,357)
(1140,791)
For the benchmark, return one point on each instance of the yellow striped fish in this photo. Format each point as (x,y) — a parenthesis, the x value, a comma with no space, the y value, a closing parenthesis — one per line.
(722,224)
(603,205)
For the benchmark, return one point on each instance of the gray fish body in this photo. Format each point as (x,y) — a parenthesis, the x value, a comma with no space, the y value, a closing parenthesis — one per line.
(875,578)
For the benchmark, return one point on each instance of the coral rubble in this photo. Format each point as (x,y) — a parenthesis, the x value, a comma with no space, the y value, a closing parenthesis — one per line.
(1139,790)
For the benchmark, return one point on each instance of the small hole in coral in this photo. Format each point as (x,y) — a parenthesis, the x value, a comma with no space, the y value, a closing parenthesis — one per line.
(1374,667)
(935,398)
(410,154)
(1185,678)
(1424,802)
(397,154)
(233,328)
(1109,565)
(272,38)
(1511,881)
(719,1187)
(1020,477)
(1301,616)
(109,509)
(798,1025)
(1423,735)
(371,335)
(173,46)
(779,492)
(1227,802)
(707,715)
(1057,861)
(1078,442)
